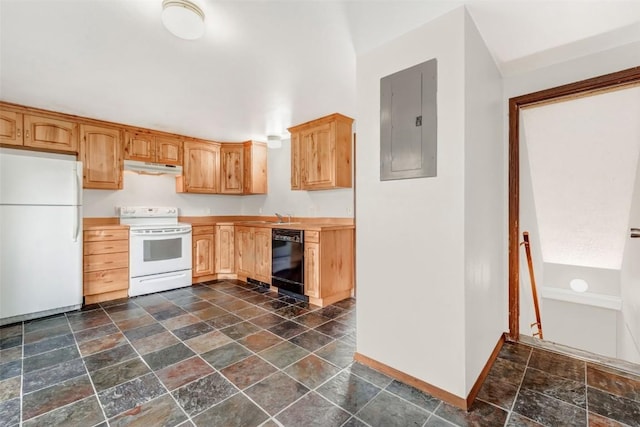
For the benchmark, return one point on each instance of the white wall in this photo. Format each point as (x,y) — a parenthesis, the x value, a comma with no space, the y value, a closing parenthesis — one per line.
(603,281)
(410,240)
(484,205)
(629,316)
(280,198)
(528,222)
(147,190)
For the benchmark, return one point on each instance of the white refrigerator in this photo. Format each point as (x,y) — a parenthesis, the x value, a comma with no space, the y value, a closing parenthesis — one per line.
(40,234)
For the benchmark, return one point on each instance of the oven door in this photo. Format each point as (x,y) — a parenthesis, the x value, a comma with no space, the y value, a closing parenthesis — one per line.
(155,251)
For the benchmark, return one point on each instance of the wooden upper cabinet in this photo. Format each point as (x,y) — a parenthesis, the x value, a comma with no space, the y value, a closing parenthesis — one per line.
(42,132)
(53,134)
(148,147)
(231,170)
(102,157)
(10,128)
(168,150)
(255,168)
(321,154)
(201,166)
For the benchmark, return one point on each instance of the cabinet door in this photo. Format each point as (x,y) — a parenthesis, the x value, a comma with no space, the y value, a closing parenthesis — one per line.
(101,157)
(225,254)
(312,270)
(317,157)
(168,150)
(201,165)
(231,169)
(255,168)
(10,128)
(262,241)
(245,251)
(203,255)
(52,134)
(140,146)
(296,183)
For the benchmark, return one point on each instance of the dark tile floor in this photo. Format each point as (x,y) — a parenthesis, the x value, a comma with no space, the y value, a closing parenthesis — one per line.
(230,354)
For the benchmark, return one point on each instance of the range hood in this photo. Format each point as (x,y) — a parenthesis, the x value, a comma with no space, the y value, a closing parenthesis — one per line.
(151,168)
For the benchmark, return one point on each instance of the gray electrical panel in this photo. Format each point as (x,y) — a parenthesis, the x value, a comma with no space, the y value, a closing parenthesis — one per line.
(408,122)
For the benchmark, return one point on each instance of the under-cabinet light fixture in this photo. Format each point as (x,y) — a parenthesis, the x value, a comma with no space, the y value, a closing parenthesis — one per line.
(183,19)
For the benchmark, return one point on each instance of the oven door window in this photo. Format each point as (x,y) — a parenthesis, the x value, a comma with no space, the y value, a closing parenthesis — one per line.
(161,250)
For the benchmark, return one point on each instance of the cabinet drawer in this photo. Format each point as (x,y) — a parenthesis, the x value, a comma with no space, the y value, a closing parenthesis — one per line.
(312,236)
(106,247)
(106,234)
(98,282)
(202,229)
(106,261)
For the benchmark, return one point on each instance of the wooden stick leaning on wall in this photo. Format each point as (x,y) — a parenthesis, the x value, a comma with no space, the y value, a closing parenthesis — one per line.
(534,291)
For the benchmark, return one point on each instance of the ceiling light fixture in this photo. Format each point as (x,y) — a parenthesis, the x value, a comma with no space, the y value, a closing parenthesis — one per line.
(183,19)
(579,285)
(274,141)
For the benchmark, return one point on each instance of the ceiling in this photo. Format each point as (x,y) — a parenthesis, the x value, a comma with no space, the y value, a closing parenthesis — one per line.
(262,66)
(583,158)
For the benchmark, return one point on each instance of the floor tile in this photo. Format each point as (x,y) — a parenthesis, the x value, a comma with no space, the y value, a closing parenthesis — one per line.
(168,313)
(101,344)
(331,311)
(130,313)
(515,352)
(10,342)
(48,344)
(184,372)
(155,342)
(260,341)
(224,321)
(10,412)
(251,312)
(618,408)
(235,411)
(436,421)
(192,331)
(208,342)
(334,329)
(507,370)
(273,305)
(202,394)
(338,353)
(162,411)
(480,414)
(517,420)
(560,388)
(138,322)
(226,355)
(348,391)
(283,354)
(180,321)
(10,388)
(311,320)
(413,395)
(558,364)
(210,313)
(97,332)
(276,392)
(117,374)
(10,354)
(311,340)
(374,377)
(86,320)
(290,312)
(198,305)
(109,357)
(498,391)
(55,396)
(240,330)
(126,396)
(312,371)
(50,358)
(247,371)
(144,331)
(596,420)
(267,320)
(10,369)
(617,383)
(547,410)
(168,356)
(45,323)
(85,412)
(35,336)
(346,304)
(36,380)
(288,329)
(313,411)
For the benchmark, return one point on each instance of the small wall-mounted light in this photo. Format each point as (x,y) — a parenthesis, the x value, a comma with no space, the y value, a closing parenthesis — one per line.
(274,141)
(579,285)
(183,19)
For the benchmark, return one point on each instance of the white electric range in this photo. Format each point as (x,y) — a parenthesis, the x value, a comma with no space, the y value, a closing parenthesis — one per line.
(159,249)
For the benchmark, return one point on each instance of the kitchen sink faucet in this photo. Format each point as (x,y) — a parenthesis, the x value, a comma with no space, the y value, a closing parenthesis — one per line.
(281,218)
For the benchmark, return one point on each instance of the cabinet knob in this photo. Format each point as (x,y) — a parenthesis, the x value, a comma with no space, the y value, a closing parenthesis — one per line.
(26,133)
(19,132)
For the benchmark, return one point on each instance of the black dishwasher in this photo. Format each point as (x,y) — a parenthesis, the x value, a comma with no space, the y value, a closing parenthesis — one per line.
(287,262)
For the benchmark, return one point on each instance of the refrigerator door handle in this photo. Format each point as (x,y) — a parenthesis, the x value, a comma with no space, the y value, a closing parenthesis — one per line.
(76,216)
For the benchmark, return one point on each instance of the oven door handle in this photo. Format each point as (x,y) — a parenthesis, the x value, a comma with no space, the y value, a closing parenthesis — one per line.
(160,233)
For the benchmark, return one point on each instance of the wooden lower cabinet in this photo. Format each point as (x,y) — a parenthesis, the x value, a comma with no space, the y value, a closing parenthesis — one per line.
(328,265)
(106,263)
(225,250)
(203,253)
(253,253)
